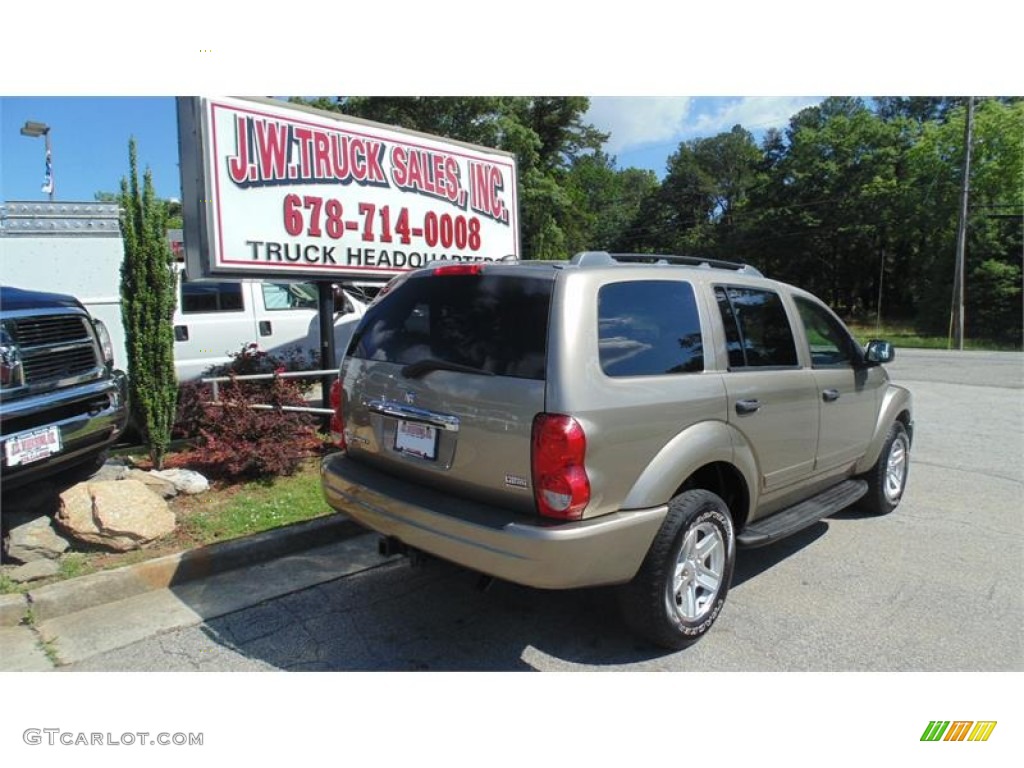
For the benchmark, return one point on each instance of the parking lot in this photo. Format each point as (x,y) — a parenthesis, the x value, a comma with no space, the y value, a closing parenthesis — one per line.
(935,586)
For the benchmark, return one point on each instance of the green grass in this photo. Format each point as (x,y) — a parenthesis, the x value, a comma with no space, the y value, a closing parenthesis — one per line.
(260,506)
(9,586)
(74,564)
(903,336)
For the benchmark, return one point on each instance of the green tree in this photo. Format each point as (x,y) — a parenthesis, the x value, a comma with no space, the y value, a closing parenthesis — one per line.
(607,203)
(707,187)
(147,307)
(935,169)
(546,134)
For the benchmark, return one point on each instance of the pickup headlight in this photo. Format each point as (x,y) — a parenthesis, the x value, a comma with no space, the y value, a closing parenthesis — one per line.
(105,344)
(11,372)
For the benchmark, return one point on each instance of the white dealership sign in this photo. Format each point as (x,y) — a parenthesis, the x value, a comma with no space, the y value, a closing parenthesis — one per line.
(279,190)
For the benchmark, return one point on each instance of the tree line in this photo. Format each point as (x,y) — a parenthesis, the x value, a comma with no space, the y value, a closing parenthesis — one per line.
(856,200)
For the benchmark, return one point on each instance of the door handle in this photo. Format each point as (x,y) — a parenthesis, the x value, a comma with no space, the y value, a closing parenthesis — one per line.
(830,395)
(747,406)
(265,328)
(181,333)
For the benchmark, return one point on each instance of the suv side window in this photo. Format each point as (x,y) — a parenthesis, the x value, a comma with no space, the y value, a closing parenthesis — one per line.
(757,330)
(649,328)
(211,297)
(830,344)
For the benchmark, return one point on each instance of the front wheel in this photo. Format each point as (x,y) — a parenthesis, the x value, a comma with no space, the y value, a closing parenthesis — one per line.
(887,479)
(681,586)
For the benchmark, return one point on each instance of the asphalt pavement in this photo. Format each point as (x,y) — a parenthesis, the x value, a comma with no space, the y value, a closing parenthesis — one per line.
(935,586)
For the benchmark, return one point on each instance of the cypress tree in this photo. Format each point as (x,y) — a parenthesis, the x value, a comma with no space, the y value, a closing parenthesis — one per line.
(148,287)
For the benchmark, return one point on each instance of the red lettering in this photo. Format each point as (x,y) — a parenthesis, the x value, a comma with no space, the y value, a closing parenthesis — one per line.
(321,156)
(357,159)
(339,146)
(374,171)
(272,149)
(238,166)
(399,173)
(451,168)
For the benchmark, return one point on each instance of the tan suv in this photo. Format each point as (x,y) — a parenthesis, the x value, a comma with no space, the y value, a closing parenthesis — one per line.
(611,420)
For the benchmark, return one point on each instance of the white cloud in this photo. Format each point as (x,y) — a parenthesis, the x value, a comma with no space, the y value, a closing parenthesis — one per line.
(755,113)
(635,121)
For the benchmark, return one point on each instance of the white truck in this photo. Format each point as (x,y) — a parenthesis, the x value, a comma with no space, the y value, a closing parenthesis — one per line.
(76,248)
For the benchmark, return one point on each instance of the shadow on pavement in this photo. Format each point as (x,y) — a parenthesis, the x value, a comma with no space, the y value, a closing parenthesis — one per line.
(434,617)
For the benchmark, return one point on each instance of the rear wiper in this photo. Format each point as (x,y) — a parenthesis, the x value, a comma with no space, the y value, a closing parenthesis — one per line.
(425,366)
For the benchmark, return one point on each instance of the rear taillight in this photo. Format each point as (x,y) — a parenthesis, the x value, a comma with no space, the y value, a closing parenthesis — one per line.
(560,484)
(337,396)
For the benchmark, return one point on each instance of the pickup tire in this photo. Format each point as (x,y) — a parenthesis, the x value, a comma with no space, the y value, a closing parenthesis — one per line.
(682,584)
(887,479)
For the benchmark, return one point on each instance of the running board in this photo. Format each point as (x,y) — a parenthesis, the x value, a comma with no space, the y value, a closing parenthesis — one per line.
(789,521)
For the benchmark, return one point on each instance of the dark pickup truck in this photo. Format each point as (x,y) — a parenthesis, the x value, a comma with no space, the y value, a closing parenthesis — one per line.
(62,403)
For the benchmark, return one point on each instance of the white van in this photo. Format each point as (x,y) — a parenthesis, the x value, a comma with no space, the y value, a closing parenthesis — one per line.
(215,320)
(76,248)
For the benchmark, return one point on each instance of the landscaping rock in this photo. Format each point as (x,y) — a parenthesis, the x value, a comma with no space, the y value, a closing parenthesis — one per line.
(39,569)
(35,540)
(109,471)
(119,515)
(185,480)
(159,486)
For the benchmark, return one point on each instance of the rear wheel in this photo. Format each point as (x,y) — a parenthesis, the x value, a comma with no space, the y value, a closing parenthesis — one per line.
(681,587)
(888,478)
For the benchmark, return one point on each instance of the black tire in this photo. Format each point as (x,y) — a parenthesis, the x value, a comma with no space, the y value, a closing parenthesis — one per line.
(887,479)
(676,612)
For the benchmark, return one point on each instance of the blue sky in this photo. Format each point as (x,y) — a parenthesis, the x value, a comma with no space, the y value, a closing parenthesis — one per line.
(90,135)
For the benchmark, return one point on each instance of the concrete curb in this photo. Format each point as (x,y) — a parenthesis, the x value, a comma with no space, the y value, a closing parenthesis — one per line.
(73,595)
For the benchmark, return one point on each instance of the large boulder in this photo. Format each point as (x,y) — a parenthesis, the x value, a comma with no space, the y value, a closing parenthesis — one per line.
(115,514)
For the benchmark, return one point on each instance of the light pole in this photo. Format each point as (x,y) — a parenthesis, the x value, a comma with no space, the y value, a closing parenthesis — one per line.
(35,130)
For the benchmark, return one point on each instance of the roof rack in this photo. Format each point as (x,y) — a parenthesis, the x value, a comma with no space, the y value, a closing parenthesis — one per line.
(603,258)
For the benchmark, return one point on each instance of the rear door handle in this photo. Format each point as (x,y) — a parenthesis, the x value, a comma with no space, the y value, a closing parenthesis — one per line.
(181,333)
(830,395)
(747,406)
(265,328)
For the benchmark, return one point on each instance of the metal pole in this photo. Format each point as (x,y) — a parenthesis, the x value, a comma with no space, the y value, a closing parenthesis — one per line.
(325,291)
(961,233)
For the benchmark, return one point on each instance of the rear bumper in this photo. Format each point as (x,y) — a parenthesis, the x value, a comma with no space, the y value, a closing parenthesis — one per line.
(492,540)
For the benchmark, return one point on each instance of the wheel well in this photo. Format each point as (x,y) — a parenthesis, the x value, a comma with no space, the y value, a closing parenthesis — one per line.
(904,419)
(726,481)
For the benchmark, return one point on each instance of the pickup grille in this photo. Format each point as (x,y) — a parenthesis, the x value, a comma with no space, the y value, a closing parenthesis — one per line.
(54,347)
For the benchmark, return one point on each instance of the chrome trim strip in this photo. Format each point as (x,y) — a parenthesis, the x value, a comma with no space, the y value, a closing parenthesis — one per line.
(411,413)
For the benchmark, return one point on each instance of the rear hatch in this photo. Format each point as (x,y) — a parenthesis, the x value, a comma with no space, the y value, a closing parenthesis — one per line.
(444,376)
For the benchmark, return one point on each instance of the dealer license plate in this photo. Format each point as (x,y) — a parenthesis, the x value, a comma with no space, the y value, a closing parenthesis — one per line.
(32,446)
(416,439)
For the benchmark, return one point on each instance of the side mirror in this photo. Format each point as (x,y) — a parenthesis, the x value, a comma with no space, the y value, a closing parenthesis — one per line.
(342,305)
(878,352)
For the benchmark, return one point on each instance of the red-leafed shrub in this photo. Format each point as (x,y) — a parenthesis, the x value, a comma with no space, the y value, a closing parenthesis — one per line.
(232,440)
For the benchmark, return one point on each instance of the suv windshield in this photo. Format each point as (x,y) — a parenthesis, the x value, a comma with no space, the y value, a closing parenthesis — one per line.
(495,324)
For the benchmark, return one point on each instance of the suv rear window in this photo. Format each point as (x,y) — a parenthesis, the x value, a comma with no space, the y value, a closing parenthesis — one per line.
(493,323)
(648,327)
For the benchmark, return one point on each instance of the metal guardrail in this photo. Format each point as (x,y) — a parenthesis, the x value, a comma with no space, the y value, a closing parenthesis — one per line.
(217,380)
